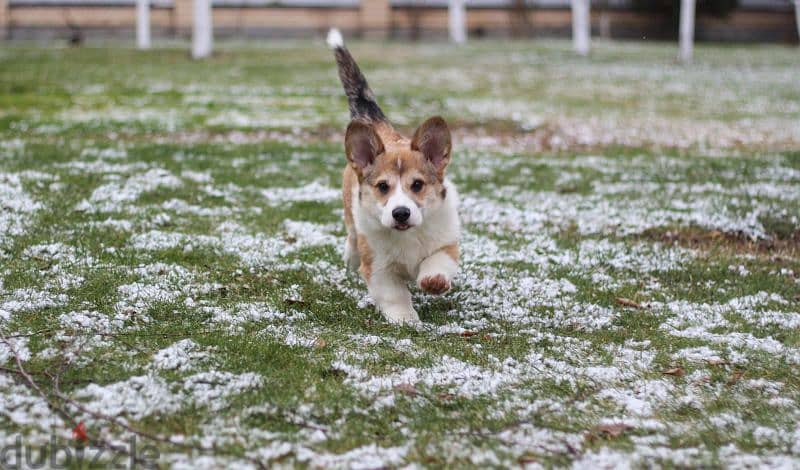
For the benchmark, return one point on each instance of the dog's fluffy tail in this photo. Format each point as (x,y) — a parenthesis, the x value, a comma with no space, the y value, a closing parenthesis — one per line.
(359,96)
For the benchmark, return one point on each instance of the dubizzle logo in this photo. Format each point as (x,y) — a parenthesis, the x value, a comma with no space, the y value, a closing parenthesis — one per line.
(81,453)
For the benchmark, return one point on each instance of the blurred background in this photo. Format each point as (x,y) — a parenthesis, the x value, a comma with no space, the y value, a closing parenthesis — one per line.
(716,20)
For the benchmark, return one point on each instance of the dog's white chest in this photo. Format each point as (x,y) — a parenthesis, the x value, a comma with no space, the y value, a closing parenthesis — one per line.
(402,252)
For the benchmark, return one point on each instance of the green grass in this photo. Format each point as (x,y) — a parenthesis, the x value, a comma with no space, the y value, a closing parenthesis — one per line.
(623,217)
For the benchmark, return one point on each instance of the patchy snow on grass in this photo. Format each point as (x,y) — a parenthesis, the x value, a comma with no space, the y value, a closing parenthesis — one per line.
(312,192)
(57,263)
(18,207)
(158,283)
(212,389)
(182,356)
(108,153)
(81,332)
(258,250)
(25,410)
(155,240)
(365,457)
(147,395)
(175,243)
(251,312)
(118,196)
(16,347)
(29,300)
(700,320)
(134,398)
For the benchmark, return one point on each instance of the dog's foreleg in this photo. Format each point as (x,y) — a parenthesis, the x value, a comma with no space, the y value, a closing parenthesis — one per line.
(436,272)
(392,297)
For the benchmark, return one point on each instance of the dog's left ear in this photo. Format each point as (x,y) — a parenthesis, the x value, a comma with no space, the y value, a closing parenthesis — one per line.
(432,139)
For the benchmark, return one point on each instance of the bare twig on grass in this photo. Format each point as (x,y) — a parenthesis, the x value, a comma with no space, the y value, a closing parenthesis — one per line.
(31,384)
(33,333)
(58,408)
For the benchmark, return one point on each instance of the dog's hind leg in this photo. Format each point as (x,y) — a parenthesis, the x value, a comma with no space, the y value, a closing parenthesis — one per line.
(351,257)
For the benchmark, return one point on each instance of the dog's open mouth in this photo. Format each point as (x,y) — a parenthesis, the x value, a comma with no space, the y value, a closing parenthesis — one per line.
(402,227)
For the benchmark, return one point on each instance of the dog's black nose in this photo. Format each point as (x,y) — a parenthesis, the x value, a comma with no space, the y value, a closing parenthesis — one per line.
(401,214)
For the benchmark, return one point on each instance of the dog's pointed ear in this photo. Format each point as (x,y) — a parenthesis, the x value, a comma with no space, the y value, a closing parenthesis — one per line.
(362,145)
(432,139)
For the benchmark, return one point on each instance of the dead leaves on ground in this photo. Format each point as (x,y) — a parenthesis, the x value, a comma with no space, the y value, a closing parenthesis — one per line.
(677,371)
(717,362)
(735,378)
(783,246)
(407,389)
(736,375)
(628,303)
(613,430)
(607,431)
(411,390)
(471,334)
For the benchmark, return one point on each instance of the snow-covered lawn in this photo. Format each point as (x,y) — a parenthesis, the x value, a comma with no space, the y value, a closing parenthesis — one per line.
(170,259)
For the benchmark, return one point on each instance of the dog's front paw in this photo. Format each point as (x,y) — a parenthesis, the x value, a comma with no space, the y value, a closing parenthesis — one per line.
(436,284)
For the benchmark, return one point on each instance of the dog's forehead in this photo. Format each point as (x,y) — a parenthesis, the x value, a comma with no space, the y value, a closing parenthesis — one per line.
(398,162)
(401,161)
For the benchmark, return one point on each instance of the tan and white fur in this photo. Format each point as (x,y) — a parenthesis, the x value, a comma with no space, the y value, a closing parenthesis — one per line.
(400,211)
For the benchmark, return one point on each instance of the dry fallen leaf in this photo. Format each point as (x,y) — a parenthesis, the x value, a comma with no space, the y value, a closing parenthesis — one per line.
(408,389)
(467,334)
(735,377)
(717,362)
(445,396)
(628,303)
(605,431)
(612,430)
(676,371)
(320,343)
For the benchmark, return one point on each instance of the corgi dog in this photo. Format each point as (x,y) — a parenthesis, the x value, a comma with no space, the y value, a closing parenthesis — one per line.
(400,211)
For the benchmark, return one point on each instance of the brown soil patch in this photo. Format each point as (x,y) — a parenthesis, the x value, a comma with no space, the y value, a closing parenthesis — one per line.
(777,248)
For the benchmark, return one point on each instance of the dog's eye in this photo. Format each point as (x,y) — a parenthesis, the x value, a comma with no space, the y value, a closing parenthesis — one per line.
(416,186)
(383,187)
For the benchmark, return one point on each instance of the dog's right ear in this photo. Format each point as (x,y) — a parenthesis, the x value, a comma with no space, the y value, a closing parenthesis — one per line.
(362,146)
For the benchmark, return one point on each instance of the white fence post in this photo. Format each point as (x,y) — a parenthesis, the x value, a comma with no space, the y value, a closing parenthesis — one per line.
(686,31)
(457,21)
(581,26)
(797,16)
(3,19)
(202,30)
(143,24)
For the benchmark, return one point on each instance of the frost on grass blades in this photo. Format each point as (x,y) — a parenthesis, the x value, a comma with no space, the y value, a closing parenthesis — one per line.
(18,207)
(170,263)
